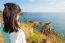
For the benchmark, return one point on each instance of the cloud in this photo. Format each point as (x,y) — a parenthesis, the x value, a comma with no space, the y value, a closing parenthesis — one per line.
(48,6)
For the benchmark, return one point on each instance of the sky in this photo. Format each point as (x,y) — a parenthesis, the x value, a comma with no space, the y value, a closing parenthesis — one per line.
(37,5)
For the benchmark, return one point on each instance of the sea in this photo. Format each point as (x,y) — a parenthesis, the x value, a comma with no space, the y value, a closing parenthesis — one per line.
(56,18)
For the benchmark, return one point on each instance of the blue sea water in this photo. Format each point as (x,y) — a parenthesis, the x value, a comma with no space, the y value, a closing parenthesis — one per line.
(57,19)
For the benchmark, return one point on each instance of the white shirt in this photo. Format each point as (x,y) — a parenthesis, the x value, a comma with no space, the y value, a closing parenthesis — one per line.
(17,37)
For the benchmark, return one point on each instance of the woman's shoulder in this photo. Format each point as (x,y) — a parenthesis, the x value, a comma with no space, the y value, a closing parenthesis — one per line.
(21,31)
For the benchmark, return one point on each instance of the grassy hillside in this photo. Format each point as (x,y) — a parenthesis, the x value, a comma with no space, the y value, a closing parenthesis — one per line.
(1,20)
(34,35)
(0,13)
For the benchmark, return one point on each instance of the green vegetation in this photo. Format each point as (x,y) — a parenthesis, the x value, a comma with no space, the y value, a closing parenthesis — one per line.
(48,35)
(39,32)
(1,20)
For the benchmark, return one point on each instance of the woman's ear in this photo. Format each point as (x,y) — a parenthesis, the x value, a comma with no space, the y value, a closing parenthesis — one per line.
(17,17)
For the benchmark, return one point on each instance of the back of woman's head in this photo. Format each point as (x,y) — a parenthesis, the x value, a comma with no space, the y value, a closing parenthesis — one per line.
(9,17)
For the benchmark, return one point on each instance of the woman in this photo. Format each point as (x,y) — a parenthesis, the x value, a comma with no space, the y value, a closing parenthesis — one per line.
(12,32)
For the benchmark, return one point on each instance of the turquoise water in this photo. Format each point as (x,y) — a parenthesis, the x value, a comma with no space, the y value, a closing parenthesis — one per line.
(57,19)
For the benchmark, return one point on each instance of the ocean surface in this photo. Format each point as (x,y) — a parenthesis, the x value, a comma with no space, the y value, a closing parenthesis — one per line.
(57,19)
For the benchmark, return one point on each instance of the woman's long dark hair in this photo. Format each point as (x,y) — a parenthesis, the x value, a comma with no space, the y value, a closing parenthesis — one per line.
(9,17)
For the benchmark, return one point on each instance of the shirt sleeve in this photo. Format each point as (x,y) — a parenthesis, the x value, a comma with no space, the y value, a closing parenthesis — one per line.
(21,37)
